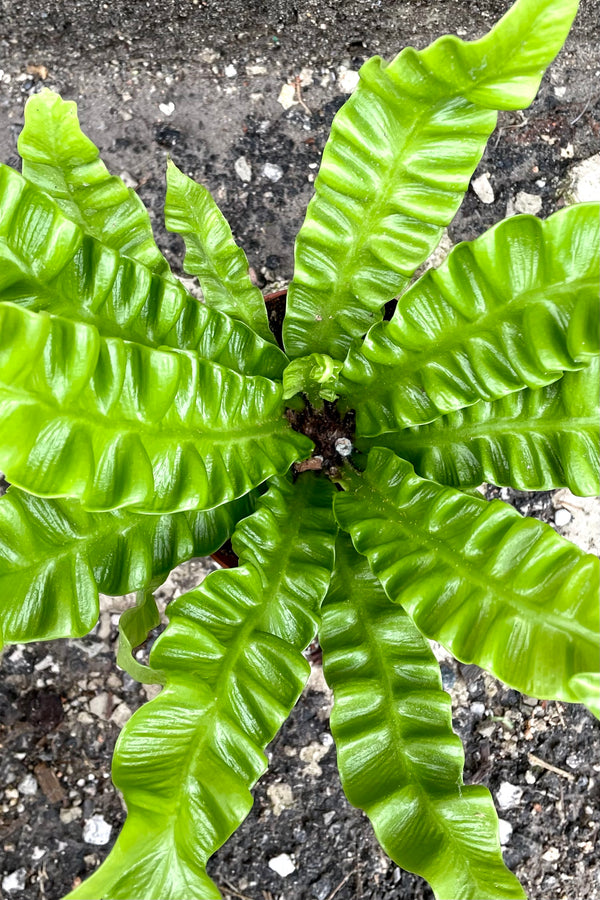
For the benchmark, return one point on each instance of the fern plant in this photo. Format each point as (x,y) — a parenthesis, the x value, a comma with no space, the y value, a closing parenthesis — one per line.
(141,428)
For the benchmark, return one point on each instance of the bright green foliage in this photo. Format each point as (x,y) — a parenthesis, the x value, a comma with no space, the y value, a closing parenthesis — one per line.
(399,160)
(529,439)
(48,263)
(119,424)
(212,254)
(139,427)
(505,311)
(55,557)
(234,669)
(398,757)
(63,162)
(498,590)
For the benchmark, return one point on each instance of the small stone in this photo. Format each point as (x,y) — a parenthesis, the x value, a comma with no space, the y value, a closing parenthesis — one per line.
(99,705)
(505,830)
(529,204)
(282,864)
(243,169)
(69,815)
(567,152)
(329,817)
(347,79)
(126,115)
(230,71)
(287,96)
(121,715)
(281,797)
(15,881)
(483,188)
(552,854)
(508,795)
(478,709)
(128,180)
(28,786)
(37,853)
(97,831)
(562,517)
(560,90)
(256,70)
(272,172)
(530,777)
(582,184)
(167,109)
(312,755)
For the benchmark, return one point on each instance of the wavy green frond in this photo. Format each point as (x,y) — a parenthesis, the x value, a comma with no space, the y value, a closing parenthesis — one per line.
(394,171)
(398,757)
(586,687)
(211,252)
(61,160)
(496,589)
(118,424)
(531,440)
(135,624)
(55,557)
(48,263)
(313,375)
(232,657)
(512,309)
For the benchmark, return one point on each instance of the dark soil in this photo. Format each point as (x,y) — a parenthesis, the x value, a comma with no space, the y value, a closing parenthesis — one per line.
(61,705)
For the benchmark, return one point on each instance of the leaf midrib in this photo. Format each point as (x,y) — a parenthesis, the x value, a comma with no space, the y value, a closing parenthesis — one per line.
(450,435)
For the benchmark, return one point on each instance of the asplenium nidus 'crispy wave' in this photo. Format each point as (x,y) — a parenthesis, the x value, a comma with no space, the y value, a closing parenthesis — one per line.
(141,427)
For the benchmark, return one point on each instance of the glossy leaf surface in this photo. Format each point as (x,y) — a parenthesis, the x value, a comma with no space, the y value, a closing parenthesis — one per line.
(586,687)
(512,309)
(48,263)
(117,424)
(232,656)
(211,252)
(135,624)
(55,557)
(496,589)
(401,153)
(61,160)
(398,756)
(531,440)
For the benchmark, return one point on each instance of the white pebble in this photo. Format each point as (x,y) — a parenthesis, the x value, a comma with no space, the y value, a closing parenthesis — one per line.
(478,709)
(483,188)
(505,829)
(243,169)
(552,854)
(562,517)
(167,109)
(508,795)
(347,79)
(97,831)
(128,180)
(15,881)
(343,446)
(230,71)
(37,853)
(528,203)
(272,172)
(583,181)
(28,786)
(287,96)
(282,864)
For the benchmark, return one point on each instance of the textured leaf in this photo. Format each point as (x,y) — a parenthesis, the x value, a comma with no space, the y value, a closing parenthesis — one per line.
(512,309)
(118,424)
(586,687)
(134,626)
(63,162)
(401,153)
(313,375)
(212,254)
(532,439)
(47,263)
(398,757)
(55,557)
(496,589)
(232,656)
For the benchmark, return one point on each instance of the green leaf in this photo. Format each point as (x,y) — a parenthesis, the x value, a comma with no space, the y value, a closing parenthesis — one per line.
(65,164)
(586,687)
(134,626)
(512,309)
(531,440)
(232,656)
(401,153)
(118,424)
(211,252)
(313,375)
(48,263)
(398,757)
(496,589)
(55,557)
